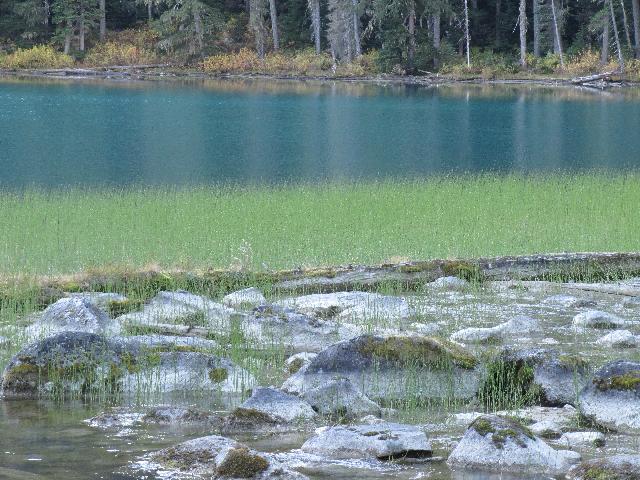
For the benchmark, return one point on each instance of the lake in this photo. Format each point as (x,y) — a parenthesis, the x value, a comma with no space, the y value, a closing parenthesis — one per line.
(111,133)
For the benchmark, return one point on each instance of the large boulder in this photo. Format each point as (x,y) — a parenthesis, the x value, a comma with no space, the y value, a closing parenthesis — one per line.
(178,372)
(612,400)
(383,441)
(72,315)
(534,376)
(183,309)
(342,400)
(66,364)
(394,368)
(499,444)
(353,307)
(220,457)
(597,319)
(616,467)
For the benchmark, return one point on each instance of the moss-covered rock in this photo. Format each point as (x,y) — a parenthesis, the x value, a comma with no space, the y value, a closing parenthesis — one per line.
(240,462)
(494,443)
(617,467)
(612,400)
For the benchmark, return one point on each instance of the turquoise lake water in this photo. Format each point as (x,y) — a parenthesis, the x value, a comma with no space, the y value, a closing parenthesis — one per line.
(97,133)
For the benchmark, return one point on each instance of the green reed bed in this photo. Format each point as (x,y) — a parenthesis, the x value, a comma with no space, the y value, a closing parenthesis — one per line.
(289,226)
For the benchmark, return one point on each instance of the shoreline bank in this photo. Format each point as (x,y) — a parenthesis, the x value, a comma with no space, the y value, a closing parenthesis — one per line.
(603,81)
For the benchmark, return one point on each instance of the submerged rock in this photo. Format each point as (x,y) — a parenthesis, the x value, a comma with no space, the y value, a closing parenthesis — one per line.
(393,368)
(341,399)
(355,307)
(582,439)
(516,326)
(498,444)
(381,440)
(598,319)
(73,315)
(612,400)
(69,363)
(220,457)
(617,467)
(619,339)
(247,298)
(279,405)
(568,301)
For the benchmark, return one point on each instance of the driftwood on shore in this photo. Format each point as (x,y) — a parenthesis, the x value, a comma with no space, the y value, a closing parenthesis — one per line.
(564,267)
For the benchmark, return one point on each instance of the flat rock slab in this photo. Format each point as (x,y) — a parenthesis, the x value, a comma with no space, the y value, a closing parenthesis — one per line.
(382,441)
(616,467)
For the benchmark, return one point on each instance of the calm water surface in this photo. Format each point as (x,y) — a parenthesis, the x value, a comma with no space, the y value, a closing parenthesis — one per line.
(95,133)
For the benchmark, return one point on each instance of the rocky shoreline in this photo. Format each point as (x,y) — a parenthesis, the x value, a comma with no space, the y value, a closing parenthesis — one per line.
(530,378)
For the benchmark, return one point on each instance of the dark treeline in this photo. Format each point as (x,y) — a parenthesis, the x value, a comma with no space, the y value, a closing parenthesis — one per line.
(413,35)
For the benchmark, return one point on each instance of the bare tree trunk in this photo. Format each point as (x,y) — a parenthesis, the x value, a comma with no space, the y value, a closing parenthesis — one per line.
(604,53)
(273,12)
(150,11)
(47,12)
(625,21)
(498,23)
(616,36)
(636,26)
(103,20)
(466,31)
(256,22)
(314,6)
(536,27)
(556,33)
(436,39)
(81,29)
(411,48)
(356,30)
(197,22)
(523,33)
(67,40)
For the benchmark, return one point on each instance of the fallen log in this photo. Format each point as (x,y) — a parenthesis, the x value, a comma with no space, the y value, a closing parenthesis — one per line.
(600,77)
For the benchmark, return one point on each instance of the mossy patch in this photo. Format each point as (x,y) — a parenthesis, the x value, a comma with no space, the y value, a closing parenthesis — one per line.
(627,382)
(184,459)
(116,308)
(218,375)
(465,270)
(295,365)
(250,415)
(429,352)
(242,463)
(501,430)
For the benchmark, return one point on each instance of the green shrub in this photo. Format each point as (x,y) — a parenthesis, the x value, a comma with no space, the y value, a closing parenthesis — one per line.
(39,56)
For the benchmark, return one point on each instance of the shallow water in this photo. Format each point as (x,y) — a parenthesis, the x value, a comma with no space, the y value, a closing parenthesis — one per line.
(53,441)
(97,132)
